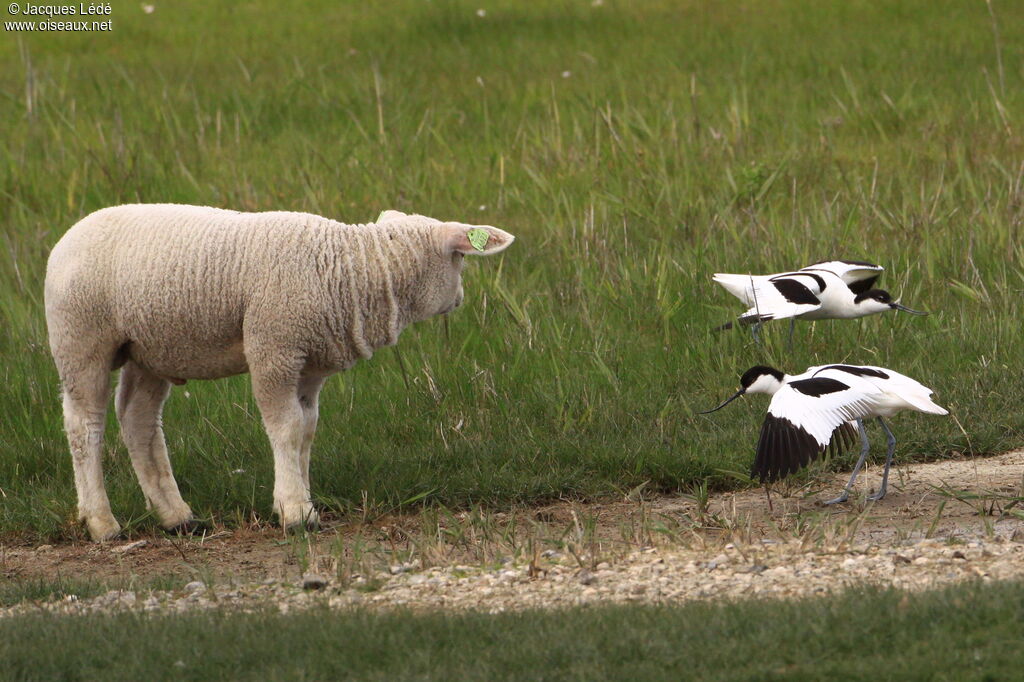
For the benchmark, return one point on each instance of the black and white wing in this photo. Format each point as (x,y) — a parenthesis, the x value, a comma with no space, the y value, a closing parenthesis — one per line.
(805,416)
(775,296)
(867,371)
(859,276)
(901,388)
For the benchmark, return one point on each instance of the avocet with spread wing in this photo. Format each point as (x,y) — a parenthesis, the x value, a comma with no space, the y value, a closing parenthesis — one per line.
(811,411)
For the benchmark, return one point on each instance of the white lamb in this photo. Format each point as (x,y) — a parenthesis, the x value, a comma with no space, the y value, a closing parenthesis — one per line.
(169,293)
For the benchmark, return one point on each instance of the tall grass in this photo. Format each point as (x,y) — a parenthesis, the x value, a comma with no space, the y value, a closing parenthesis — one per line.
(633,147)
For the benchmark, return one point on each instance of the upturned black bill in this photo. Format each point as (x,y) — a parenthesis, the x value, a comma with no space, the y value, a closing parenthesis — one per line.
(905,309)
(737,395)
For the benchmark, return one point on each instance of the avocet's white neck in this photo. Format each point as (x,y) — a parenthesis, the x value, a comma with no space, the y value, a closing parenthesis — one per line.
(767,383)
(870,306)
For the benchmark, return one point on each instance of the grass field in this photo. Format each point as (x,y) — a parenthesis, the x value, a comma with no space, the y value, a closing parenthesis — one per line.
(633,147)
(970,633)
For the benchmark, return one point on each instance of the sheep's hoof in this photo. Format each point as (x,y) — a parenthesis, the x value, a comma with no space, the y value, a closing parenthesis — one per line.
(102,528)
(310,523)
(191,526)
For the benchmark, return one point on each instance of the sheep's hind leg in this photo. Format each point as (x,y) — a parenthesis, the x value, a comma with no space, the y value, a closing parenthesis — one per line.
(283,418)
(139,404)
(86,392)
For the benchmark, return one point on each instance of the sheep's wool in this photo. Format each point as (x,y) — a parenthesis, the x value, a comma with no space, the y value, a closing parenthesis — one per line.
(182,285)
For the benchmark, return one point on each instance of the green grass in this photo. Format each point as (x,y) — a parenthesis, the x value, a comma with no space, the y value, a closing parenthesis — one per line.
(971,632)
(687,138)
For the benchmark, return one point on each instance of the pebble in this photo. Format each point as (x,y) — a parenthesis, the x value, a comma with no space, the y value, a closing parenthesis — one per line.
(671,574)
(130,547)
(313,581)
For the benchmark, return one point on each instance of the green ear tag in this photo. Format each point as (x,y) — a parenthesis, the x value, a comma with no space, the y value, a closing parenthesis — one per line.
(478,238)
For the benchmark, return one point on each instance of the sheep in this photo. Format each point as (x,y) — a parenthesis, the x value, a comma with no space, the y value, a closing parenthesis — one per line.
(169,293)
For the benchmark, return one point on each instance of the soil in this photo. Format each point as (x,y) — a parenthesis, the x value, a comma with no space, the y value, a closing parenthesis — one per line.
(969,503)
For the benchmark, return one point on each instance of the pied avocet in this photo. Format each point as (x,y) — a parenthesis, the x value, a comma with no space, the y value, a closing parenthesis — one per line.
(828,290)
(810,411)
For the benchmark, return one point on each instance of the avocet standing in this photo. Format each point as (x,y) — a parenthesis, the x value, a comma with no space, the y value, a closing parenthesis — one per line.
(810,411)
(828,290)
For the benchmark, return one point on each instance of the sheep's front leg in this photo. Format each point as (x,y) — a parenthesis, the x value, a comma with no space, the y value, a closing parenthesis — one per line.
(139,403)
(309,399)
(283,418)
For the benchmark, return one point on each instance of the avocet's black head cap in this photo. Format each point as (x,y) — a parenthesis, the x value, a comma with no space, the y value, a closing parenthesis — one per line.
(747,380)
(880,295)
(884,297)
(756,372)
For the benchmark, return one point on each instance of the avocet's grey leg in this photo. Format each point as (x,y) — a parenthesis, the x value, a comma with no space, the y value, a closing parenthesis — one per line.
(792,323)
(888,462)
(755,329)
(864,447)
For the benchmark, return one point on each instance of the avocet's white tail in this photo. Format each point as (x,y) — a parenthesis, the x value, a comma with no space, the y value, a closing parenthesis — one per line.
(740,286)
(926,404)
(913,392)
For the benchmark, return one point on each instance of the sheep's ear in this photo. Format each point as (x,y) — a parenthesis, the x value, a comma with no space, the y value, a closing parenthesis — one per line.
(475,240)
(390,214)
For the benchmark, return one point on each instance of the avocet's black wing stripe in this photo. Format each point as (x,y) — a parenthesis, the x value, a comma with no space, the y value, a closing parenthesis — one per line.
(816,282)
(751,319)
(856,371)
(863,285)
(858,275)
(863,263)
(795,292)
(775,296)
(818,386)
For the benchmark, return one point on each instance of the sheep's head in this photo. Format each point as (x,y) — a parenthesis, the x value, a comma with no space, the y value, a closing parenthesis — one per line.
(442,290)
(439,289)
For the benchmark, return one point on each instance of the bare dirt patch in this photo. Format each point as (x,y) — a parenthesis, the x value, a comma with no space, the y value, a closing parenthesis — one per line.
(940,522)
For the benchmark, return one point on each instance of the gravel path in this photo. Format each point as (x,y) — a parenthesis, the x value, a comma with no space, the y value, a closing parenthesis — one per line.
(652,575)
(942,523)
